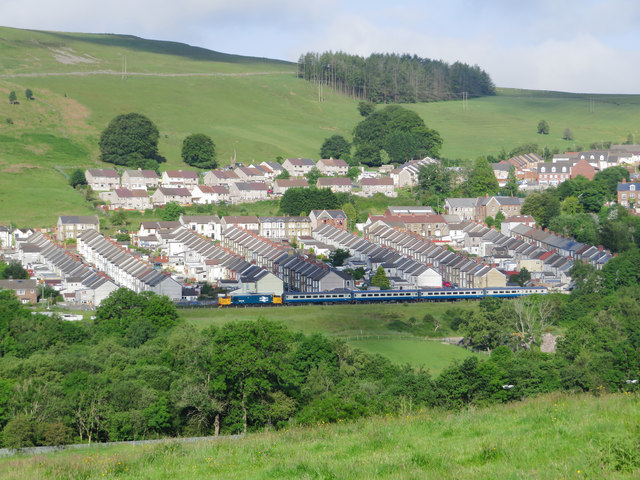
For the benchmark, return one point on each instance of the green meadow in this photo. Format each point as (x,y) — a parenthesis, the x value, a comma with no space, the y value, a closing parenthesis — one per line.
(380,329)
(549,437)
(255,109)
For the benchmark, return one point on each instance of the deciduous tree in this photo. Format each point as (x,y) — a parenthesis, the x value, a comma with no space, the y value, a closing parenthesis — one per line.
(336,146)
(380,279)
(198,150)
(130,140)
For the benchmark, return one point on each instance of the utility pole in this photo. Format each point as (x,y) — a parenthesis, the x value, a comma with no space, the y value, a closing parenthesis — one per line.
(465,101)
(124,67)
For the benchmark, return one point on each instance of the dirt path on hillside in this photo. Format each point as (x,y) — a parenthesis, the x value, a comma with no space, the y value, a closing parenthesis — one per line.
(137,74)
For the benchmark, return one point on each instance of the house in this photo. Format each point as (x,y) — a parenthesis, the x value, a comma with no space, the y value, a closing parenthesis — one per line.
(335,218)
(6,239)
(136,199)
(250,174)
(285,227)
(628,194)
(501,172)
(584,168)
(465,208)
(26,290)
(164,195)
(336,184)
(332,167)
(246,222)
(100,179)
(152,228)
(280,186)
(490,206)
(298,167)
(72,226)
(409,210)
(241,192)
(383,185)
(406,175)
(272,169)
(220,177)
(208,225)
(510,222)
(180,179)
(205,194)
(140,179)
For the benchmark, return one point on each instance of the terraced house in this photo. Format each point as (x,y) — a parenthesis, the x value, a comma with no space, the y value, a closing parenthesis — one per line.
(126,269)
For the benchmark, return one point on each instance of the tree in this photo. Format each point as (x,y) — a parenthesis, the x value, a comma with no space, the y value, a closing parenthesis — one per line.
(352,215)
(482,181)
(511,187)
(499,218)
(171,212)
(130,140)
(13,98)
(366,108)
(338,256)
(29,94)
(380,279)
(284,175)
(522,277)
(119,219)
(571,206)
(198,150)
(15,271)
(313,176)
(399,131)
(77,178)
(567,134)
(435,178)
(542,207)
(543,127)
(336,146)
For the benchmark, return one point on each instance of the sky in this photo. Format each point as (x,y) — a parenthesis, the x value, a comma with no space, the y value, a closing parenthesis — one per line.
(586,46)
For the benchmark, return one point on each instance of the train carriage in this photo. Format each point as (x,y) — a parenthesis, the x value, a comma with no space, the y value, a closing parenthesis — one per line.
(318,297)
(386,296)
(438,294)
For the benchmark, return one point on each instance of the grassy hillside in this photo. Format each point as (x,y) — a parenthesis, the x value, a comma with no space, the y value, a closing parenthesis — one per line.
(551,437)
(372,328)
(254,109)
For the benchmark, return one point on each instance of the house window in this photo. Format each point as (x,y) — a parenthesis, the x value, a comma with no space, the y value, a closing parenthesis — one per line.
(632,187)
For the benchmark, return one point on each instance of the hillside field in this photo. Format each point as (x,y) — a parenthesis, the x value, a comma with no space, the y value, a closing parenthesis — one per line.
(549,437)
(254,109)
(371,328)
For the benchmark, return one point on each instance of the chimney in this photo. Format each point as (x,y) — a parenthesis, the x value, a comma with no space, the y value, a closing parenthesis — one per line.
(600,247)
(624,180)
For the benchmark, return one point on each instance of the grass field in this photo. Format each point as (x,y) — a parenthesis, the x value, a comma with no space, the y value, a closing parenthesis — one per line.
(254,109)
(429,354)
(550,437)
(371,328)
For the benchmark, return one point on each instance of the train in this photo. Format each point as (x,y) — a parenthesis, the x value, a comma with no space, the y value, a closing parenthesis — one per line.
(376,296)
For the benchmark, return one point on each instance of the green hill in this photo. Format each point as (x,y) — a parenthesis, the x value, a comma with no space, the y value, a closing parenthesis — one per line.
(254,109)
(550,437)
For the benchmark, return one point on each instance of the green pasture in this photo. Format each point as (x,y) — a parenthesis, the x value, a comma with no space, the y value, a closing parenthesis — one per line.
(429,354)
(372,328)
(550,437)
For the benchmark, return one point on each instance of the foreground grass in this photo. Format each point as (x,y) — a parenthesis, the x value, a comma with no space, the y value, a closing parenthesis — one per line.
(550,437)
